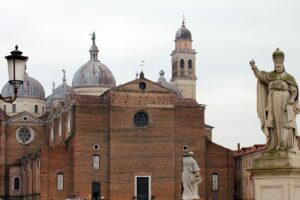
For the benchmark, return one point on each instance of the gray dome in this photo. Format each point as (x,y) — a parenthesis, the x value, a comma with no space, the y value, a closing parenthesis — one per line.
(49,98)
(93,73)
(162,81)
(49,101)
(183,32)
(30,88)
(62,91)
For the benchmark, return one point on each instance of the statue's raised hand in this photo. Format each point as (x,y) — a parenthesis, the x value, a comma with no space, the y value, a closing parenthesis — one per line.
(252,63)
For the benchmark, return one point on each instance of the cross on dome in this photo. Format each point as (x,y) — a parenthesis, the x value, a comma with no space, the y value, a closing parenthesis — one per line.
(64,75)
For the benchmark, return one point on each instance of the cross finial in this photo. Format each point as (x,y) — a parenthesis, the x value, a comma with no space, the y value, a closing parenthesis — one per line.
(53,86)
(142,65)
(64,75)
(183,20)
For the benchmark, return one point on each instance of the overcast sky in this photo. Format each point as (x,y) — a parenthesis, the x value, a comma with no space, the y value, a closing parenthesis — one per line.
(55,34)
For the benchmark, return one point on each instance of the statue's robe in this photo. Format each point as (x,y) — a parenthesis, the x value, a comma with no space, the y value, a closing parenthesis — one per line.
(277,116)
(189,179)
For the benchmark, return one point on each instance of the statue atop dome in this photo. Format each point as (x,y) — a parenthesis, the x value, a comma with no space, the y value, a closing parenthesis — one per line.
(93,37)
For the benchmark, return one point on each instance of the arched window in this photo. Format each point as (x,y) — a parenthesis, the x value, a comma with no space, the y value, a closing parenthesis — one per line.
(16,183)
(60,127)
(69,124)
(181,64)
(190,64)
(36,108)
(14,108)
(181,67)
(96,161)
(51,133)
(215,181)
(60,181)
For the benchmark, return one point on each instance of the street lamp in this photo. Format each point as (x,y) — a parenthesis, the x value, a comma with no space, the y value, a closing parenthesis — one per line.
(16,68)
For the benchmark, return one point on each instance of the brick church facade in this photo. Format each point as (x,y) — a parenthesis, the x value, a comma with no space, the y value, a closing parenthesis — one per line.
(113,142)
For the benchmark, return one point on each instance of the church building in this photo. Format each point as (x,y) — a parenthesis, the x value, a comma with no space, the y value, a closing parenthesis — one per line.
(94,140)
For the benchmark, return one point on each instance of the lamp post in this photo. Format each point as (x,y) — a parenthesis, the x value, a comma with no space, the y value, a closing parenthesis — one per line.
(16,68)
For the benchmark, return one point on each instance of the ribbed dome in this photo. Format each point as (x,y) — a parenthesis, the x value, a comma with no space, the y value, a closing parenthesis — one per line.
(62,91)
(93,73)
(30,88)
(162,81)
(183,32)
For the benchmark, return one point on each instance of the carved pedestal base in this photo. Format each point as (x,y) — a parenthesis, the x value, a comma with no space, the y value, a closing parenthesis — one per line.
(277,176)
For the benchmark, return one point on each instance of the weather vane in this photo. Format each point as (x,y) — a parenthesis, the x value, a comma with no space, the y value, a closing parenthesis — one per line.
(142,65)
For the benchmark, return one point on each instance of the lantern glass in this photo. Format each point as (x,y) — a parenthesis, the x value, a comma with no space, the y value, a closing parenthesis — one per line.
(16,64)
(16,70)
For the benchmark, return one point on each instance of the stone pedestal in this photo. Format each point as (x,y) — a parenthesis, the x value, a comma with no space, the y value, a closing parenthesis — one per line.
(277,176)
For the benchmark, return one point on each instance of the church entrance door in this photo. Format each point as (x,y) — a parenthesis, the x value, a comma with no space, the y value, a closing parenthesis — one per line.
(96,193)
(142,188)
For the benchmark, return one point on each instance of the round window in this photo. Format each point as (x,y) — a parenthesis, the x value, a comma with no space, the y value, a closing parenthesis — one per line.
(141,119)
(96,146)
(142,85)
(185,147)
(25,135)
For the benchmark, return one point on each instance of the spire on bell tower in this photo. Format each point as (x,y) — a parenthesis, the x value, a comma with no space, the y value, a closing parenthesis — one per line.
(183,21)
(183,62)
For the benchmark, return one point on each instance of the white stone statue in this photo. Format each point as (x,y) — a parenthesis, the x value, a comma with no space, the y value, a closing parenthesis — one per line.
(191,178)
(277,105)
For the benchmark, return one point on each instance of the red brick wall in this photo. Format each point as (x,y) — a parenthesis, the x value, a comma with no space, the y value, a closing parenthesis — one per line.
(220,160)
(127,151)
(15,150)
(142,151)
(190,131)
(2,158)
(91,127)
(55,159)
(147,151)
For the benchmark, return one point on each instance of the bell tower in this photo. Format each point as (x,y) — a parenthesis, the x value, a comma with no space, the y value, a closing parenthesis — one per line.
(183,63)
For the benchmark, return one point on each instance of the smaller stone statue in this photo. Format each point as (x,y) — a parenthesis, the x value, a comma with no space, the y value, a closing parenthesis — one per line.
(191,178)
(93,37)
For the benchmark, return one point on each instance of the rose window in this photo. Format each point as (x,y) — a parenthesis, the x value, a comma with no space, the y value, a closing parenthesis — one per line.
(25,135)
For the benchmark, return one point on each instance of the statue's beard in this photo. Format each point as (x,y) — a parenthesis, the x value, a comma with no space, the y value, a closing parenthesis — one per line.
(279,70)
